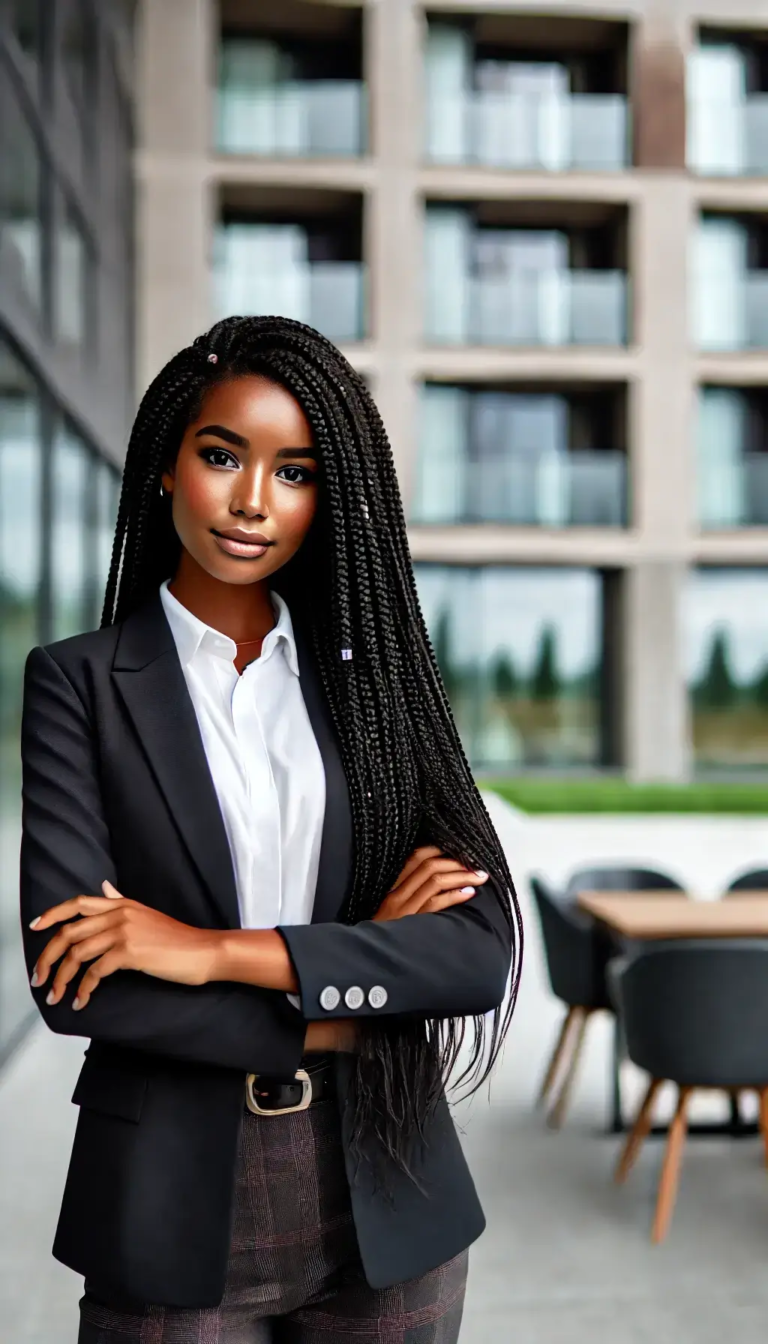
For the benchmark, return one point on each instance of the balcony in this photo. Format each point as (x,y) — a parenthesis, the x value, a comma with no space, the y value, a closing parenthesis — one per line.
(517,458)
(728,138)
(586,132)
(319,119)
(290,80)
(550,309)
(731,313)
(294,253)
(734,494)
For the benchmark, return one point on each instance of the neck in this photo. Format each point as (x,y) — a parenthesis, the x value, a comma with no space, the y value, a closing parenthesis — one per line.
(242,611)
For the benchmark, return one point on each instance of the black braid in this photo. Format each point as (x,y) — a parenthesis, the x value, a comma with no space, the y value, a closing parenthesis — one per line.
(352,585)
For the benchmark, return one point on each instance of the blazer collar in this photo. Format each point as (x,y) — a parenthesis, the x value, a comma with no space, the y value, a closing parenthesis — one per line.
(151,683)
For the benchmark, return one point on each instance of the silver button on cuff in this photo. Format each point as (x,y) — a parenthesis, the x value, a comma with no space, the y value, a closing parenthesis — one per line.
(354,997)
(330,998)
(377,996)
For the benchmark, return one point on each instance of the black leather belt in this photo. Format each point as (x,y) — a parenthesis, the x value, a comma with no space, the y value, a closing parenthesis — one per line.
(276,1096)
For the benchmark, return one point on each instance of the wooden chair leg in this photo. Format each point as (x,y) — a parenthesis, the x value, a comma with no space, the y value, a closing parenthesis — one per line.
(558,1054)
(671,1169)
(557,1114)
(764,1119)
(638,1134)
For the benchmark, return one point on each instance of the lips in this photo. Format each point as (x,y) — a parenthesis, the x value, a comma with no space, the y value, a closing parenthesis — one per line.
(246,545)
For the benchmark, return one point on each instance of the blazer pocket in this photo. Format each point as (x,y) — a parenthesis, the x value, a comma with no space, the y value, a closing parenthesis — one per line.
(110,1090)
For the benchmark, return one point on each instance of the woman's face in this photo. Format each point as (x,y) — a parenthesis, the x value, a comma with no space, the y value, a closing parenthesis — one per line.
(244,484)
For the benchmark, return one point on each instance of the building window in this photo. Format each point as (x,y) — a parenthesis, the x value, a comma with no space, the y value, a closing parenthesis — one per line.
(729,289)
(727,94)
(732,457)
(726,631)
(20,573)
(533,458)
(520,652)
(71,482)
(21,201)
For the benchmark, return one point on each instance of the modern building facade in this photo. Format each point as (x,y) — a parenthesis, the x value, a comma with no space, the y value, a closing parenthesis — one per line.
(66,358)
(540,232)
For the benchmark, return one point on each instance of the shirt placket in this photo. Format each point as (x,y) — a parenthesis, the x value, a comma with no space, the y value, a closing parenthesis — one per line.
(263,896)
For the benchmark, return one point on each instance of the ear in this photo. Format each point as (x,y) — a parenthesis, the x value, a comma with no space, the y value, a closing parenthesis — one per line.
(168,479)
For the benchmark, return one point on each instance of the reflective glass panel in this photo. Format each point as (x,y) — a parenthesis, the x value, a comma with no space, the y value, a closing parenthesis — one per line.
(21,227)
(726,647)
(107,499)
(72,474)
(20,546)
(520,651)
(71,264)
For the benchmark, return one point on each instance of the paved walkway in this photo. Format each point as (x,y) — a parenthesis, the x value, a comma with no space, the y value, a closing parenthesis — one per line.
(566,1258)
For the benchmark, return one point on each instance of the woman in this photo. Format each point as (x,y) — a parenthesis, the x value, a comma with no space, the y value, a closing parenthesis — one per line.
(256,872)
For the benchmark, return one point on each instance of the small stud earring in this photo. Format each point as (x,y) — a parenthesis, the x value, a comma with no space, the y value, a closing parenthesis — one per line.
(213,359)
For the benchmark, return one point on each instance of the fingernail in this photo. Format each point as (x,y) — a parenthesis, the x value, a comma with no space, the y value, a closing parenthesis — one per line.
(76,1004)
(34,982)
(465,891)
(50,997)
(33,923)
(481,873)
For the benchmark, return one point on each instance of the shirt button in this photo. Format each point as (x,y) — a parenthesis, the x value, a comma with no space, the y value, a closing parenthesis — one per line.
(330,998)
(377,996)
(354,997)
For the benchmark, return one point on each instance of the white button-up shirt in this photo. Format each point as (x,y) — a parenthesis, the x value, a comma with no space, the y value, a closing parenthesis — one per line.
(264,760)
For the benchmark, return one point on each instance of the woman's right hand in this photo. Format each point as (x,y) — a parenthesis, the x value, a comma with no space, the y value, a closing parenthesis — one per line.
(430,881)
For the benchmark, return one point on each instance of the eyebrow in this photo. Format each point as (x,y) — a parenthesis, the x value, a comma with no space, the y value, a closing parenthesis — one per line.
(229,436)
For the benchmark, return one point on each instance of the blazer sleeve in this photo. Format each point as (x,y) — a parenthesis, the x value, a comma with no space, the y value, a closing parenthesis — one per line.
(452,964)
(65,851)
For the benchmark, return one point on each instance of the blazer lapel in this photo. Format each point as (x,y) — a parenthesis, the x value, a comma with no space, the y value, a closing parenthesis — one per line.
(150,680)
(335,869)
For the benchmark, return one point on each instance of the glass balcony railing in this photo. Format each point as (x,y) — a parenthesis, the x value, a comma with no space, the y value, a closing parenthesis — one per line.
(728,138)
(508,130)
(731,313)
(328,295)
(734,494)
(535,308)
(323,118)
(547,489)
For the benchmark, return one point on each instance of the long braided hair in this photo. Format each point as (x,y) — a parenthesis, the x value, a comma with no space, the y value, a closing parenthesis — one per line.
(352,585)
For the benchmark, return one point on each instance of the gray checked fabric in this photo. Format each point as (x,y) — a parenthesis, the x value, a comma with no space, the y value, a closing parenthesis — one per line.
(294,1272)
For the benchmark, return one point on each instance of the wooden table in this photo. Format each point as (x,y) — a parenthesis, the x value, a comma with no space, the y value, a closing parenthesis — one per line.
(646,916)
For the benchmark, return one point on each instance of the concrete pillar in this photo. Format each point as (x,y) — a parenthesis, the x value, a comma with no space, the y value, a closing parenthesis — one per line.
(394,215)
(173,195)
(656,732)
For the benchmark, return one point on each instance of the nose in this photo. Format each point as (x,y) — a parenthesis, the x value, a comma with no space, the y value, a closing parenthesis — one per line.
(249,495)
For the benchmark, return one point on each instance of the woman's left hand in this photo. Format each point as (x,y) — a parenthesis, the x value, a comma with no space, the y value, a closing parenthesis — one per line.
(118,934)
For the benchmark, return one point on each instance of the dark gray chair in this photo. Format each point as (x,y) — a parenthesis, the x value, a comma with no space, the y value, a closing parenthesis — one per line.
(576,954)
(619,878)
(695,1012)
(756,880)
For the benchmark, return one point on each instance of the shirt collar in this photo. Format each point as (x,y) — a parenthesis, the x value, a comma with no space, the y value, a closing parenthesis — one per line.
(191,635)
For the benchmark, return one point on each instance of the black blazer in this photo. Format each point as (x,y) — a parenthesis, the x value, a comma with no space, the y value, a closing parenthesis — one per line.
(116,785)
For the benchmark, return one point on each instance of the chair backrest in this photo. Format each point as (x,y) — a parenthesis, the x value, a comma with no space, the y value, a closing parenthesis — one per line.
(696,1010)
(756,880)
(619,878)
(572,947)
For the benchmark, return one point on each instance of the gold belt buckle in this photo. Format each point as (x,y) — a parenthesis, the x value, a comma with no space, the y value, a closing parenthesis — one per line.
(301,1076)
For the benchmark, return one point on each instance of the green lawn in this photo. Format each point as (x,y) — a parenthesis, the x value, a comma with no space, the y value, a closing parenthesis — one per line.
(616,795)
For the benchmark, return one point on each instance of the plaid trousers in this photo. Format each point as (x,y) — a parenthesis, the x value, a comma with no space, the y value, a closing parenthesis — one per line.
(294,1273)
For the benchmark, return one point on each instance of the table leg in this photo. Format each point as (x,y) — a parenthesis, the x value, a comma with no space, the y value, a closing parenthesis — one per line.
(617,1055)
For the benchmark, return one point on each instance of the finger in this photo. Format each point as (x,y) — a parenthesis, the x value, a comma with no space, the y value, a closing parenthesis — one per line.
(74,932)
(106,965)
(418,856)
(78,905)
(437,875)
(446,899)
(111,892)
(74,960)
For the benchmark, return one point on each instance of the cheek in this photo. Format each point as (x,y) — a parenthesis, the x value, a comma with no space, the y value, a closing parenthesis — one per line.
(198,491)
(298,516)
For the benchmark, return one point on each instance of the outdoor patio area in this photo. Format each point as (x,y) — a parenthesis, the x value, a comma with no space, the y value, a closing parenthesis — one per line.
(567,1255)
